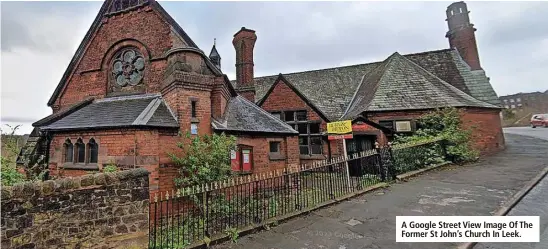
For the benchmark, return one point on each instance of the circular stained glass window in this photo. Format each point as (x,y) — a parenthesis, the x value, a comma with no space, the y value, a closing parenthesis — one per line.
(128,67)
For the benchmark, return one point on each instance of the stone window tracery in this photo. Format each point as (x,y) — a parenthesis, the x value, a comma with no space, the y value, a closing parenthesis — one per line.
(128,67)
(68,151)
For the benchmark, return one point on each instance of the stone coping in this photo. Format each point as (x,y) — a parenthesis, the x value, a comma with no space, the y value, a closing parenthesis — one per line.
(45,188)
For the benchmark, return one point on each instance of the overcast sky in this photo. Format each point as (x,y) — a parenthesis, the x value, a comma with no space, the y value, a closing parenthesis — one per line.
(38,40)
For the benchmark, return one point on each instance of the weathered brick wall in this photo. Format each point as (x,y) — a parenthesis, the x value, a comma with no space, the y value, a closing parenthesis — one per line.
(283,98)
(153,37)
(130,148)
(244,43)
(261,159)
(93,211)
(486,127)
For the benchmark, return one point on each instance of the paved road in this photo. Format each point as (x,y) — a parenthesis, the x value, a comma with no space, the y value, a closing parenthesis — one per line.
(369,221)
(539,132)
(533,204)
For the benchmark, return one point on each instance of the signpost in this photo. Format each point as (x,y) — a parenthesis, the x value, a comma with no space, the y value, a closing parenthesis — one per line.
(341,130)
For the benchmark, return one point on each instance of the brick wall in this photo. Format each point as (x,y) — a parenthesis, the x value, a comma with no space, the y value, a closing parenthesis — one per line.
(283,98)
(127,149)
(94,211)
(262,162)
(143,29)
(486,127)
(244,43)
(465,42)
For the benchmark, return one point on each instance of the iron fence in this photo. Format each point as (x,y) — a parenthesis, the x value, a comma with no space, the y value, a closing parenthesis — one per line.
(198,213)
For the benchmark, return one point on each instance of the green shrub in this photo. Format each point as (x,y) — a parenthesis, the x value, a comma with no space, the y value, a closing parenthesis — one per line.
(444,123)
(10,149)
(109,168)
(205,159)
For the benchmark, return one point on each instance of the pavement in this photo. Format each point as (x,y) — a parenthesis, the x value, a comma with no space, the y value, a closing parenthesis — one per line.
(368,221)
(533,204)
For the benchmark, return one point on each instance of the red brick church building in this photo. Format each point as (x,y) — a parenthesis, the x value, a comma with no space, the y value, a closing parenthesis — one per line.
(127,93)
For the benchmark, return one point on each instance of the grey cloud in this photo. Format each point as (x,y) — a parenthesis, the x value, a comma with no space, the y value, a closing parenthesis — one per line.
(530,25)
(15,34)
(26,25)
(302,36)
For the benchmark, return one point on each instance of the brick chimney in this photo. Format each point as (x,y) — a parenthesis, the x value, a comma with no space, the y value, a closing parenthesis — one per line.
(244,42)
(461,34)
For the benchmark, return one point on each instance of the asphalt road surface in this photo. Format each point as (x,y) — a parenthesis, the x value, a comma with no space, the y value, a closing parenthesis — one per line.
(533,204)
(539,132)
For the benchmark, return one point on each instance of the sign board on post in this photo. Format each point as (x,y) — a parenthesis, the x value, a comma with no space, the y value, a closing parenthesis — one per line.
(340,127)
(341,130)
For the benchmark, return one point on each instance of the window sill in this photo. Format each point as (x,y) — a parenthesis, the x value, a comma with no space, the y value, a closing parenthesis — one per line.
(313,157)
(276,157)
(82,166)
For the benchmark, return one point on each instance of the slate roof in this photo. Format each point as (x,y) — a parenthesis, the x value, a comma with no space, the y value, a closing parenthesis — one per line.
(400,84)
(148,110)
(338,85)
(214,53)
(242,115)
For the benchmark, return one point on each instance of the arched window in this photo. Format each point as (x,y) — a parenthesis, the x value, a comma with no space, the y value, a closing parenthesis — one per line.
(68,150)
(80,151)
(92,151)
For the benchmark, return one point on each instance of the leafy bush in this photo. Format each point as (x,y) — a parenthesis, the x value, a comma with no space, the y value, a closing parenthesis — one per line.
(444,123)
(110,167)
(205,158)
(418,156)
(8,158)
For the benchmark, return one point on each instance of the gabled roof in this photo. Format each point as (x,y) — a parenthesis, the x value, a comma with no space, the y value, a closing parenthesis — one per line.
(242,115)
(282,79)
(105,10)
(400,84)
(147,110)
(331,90)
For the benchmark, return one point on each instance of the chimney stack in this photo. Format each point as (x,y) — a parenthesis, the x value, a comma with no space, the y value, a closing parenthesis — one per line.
(244,42)
(461,34)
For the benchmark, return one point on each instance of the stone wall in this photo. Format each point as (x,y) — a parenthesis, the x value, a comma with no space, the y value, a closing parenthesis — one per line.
(107,210)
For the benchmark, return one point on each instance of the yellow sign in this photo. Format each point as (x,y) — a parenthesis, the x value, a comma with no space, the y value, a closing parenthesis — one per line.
(340,127)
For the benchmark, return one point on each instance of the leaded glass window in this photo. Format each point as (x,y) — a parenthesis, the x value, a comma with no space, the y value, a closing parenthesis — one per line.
(128,67)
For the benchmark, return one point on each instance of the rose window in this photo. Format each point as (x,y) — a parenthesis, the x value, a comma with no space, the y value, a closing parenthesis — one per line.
(127,68)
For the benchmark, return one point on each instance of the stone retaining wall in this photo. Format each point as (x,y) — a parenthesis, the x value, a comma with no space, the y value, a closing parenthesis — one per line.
(108,210)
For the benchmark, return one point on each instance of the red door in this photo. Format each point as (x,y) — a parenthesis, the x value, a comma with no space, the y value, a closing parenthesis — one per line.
(247,159)
(241,159)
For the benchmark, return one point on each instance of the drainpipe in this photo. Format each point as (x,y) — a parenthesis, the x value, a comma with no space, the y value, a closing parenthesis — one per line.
(135,151)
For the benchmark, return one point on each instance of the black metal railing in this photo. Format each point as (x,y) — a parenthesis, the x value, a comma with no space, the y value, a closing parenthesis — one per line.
(196,214)
(409,157)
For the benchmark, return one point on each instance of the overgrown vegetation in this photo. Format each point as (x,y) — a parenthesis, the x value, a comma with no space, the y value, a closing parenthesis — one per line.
(508,114)
(32,168)
(110,168)
(446,124)
(205,158)
(10,150)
